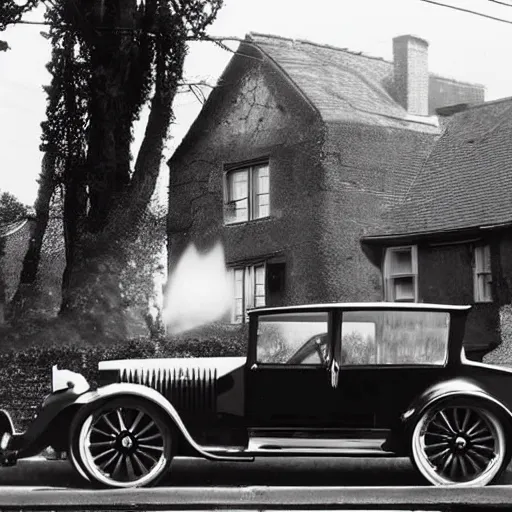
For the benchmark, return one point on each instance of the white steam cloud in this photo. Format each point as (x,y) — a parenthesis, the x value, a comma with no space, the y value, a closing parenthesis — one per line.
(199,290)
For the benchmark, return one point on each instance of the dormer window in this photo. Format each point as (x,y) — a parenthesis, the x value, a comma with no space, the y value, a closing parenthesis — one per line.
(401,274)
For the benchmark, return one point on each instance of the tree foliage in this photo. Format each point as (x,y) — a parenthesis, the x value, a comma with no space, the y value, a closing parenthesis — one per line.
(110,59)
(11,12)
(11,209)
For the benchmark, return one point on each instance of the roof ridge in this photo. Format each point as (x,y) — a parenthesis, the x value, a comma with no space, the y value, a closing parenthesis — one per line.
(473,106)
(456,80)
(358,54)
(320,45)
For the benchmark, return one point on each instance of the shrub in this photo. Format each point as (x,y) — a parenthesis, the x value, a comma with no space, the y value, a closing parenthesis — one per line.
(25,372)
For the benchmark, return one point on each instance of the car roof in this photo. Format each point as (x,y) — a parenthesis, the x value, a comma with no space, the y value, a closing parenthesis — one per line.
(361,305)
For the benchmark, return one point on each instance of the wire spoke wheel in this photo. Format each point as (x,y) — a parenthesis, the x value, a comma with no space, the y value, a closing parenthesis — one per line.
(460,445)
(124,443)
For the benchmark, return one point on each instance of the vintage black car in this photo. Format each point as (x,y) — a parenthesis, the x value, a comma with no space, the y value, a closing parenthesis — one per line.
(376,379)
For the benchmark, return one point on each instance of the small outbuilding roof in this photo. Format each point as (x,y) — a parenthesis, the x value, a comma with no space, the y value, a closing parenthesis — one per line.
(466,182)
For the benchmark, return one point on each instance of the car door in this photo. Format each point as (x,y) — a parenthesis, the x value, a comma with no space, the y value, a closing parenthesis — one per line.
(386,359)
(287,376)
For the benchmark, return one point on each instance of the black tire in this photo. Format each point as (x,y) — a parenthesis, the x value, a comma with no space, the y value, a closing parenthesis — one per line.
(460,443)
(108,443)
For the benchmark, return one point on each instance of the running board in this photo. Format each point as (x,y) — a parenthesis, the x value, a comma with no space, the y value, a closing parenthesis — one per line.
(287,447)
(316,446)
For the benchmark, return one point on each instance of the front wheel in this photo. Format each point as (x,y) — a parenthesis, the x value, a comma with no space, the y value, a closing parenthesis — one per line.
(459,445)
(124,442)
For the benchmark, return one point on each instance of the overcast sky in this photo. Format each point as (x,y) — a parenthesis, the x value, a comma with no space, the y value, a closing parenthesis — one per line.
(462,46)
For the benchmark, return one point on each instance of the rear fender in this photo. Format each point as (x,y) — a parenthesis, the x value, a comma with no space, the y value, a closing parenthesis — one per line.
(462,388)
(137,390)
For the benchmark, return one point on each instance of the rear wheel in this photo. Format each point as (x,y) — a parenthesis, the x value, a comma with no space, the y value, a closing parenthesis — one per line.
(124,442)
(460,445)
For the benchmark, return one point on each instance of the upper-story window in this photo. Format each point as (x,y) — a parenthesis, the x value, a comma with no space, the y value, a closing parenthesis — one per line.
(247,194)
(401,274)
(482,273)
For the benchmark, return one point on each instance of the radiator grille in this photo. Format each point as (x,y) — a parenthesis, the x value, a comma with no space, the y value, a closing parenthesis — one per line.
(188,389)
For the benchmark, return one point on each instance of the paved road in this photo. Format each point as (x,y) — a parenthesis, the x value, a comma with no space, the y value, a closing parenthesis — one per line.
(196,484)
(187,472)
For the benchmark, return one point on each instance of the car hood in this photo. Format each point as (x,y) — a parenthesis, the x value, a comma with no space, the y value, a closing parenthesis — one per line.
(222,365)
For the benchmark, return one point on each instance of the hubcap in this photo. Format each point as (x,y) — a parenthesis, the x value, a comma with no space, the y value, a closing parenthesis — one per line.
(126,442)
(460,443)
(459,446)
(123,446)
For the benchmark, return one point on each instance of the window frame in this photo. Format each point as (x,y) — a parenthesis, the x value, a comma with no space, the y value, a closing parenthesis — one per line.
(253,349)
(245,305)
(388,278)
(252,190)
(481,252)
(338,343)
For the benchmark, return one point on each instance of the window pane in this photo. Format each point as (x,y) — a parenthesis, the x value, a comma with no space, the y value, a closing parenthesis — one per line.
(261,192)
(241,211)
(358,342)
(483,258)
(261,180)
(487,258)
(484,293)
(240,185)
(401,262)
(262,211)
(259,292)
(403,289)
(395,337)
(260,274)
(239,284)
(239,307)
(260,301)
(291,338)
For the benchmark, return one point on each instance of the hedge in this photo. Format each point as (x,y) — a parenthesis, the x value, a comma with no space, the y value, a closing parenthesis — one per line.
(25,373)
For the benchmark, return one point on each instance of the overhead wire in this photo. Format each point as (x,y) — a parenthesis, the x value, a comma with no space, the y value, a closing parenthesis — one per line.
(507,4)
(469,11)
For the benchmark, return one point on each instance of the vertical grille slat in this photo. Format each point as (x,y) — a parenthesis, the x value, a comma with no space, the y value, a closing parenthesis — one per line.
(188,389)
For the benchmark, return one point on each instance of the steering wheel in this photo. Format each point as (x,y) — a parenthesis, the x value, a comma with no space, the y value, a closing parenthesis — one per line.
(321,349)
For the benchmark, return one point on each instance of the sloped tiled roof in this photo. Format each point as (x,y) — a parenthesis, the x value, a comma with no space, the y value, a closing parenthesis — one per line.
(9,228)
(466,182)
(343,85)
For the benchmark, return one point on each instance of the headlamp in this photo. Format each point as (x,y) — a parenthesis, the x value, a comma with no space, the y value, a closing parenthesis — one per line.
(66,379)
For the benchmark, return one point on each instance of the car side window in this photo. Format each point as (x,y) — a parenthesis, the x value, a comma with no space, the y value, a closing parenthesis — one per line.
(293,338)
(394,337)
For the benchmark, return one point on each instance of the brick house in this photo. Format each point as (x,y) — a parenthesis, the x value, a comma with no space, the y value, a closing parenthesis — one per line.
(295,156)
(450,239)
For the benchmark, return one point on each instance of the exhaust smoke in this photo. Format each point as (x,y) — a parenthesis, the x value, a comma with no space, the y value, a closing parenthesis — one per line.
(199,290)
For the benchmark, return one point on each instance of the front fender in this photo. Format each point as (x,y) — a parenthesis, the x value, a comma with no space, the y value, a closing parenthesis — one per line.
(140,391)
(459,387)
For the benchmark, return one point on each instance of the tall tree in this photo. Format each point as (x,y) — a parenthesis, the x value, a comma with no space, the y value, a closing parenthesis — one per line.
(110,59)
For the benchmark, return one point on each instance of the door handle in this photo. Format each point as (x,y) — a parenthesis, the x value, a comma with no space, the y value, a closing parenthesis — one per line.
(335,373)
(254,366)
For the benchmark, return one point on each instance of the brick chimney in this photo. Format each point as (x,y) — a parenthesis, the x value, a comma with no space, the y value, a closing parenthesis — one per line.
(410,56)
